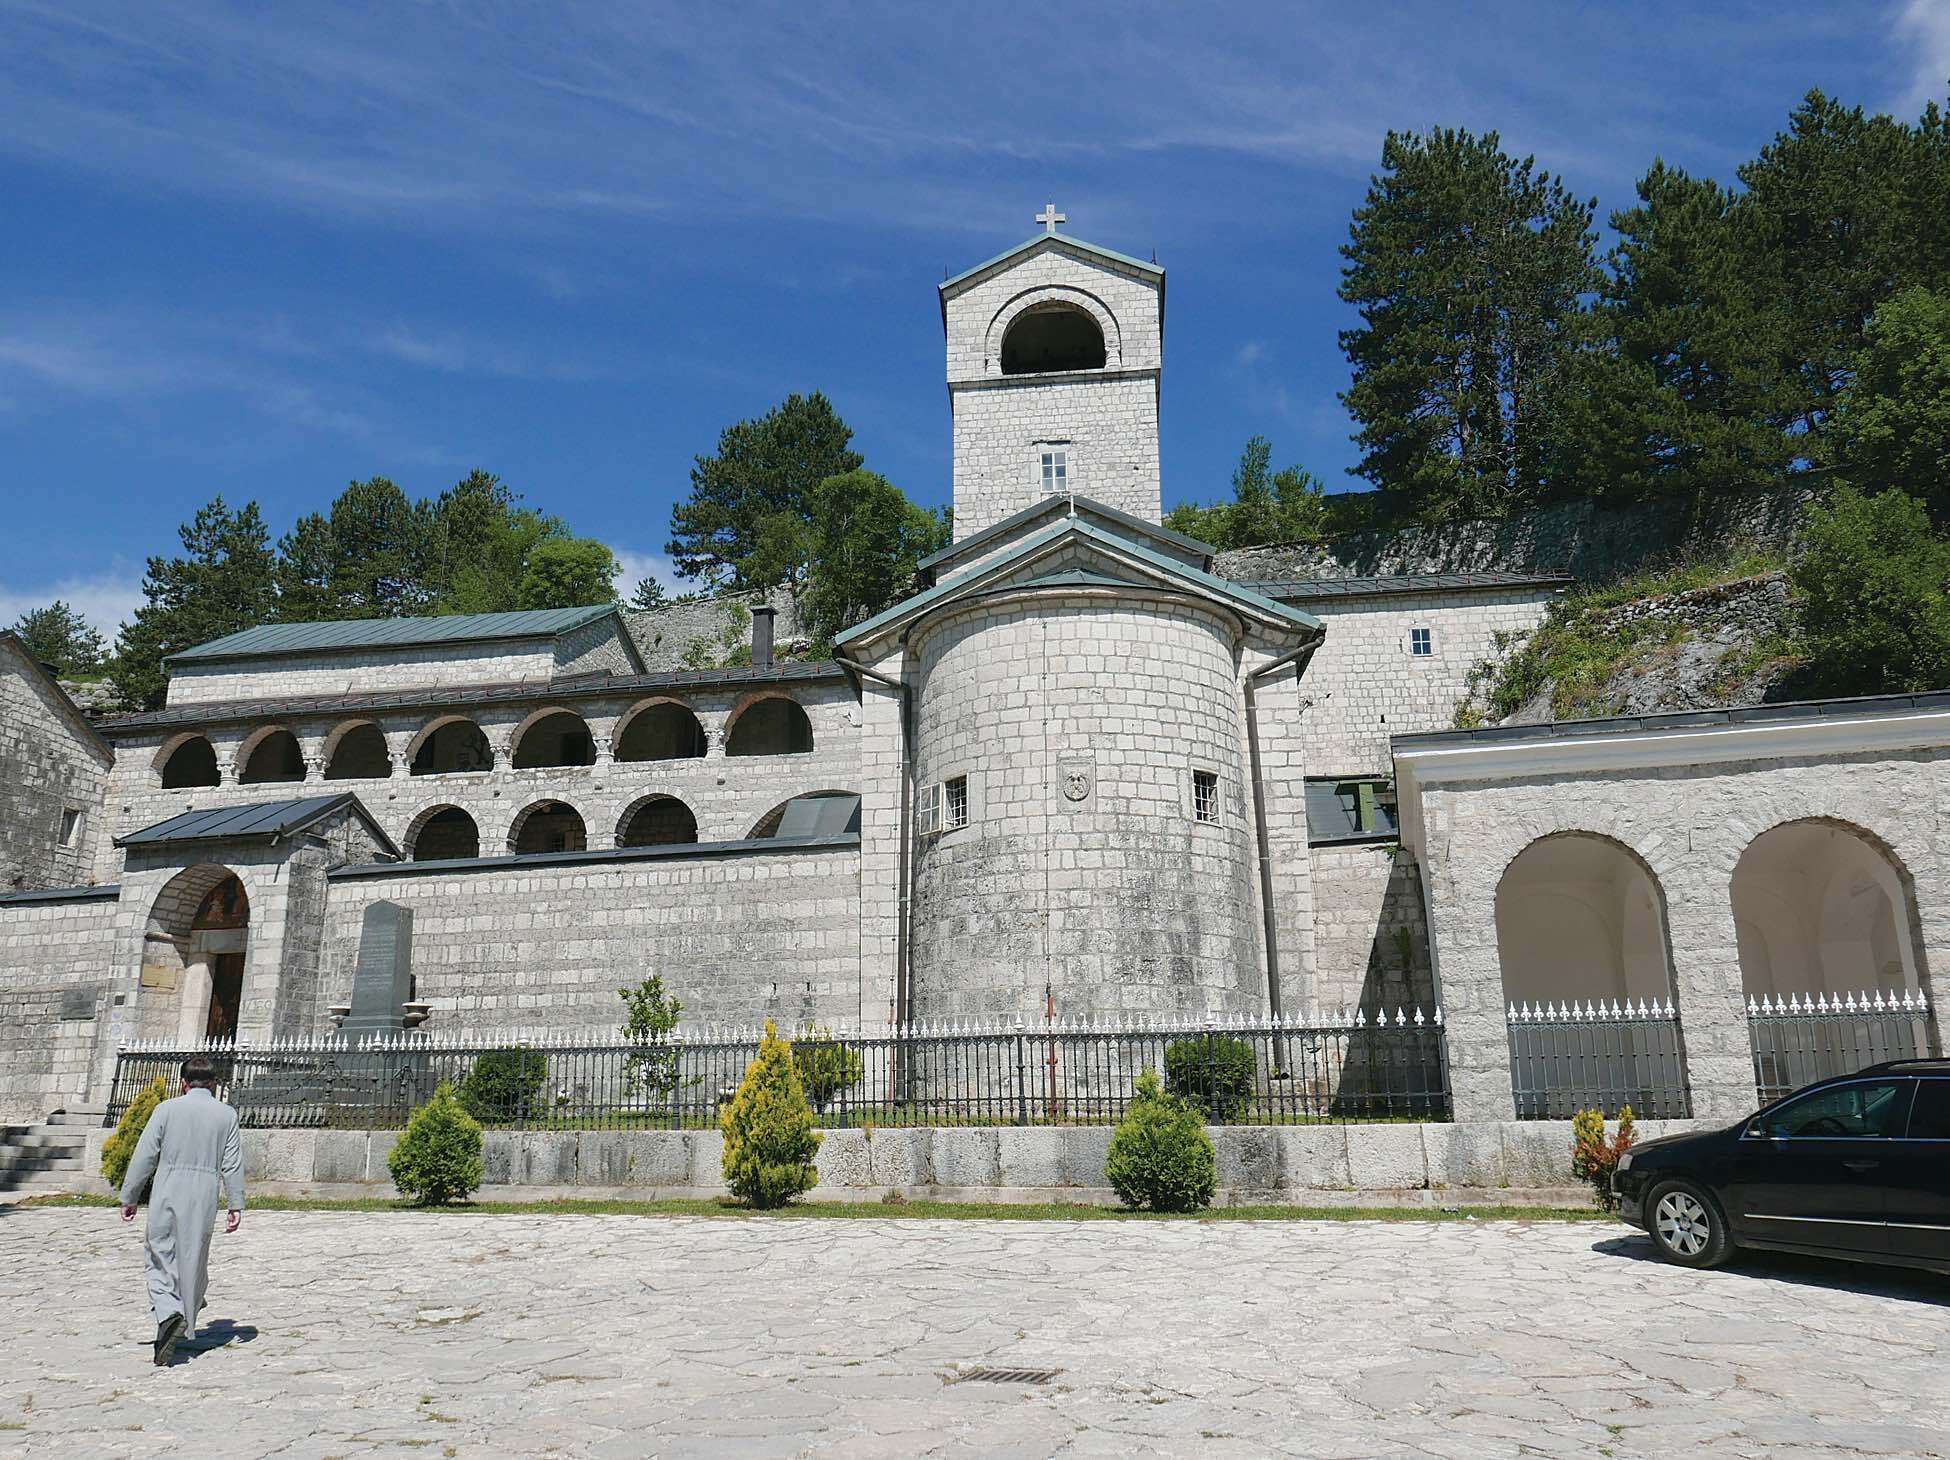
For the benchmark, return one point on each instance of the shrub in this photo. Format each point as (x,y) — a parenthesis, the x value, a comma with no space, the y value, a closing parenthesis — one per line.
(649,1019)
(1215,1072)
(504,1084)
(438,1159)
(1872,575)
(1594,1157)
(769,1141)
(826,1067)
(1160,1155)
(119,1149)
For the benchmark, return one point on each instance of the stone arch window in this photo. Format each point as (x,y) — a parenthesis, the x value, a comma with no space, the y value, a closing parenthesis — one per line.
(273,756)
(197,928)
(357,752)
(1051,336)
(1579,918)
(656,821)
(773,822)
(548,826)
(770,726)
(451,745)
(1820,907)
(442,833)
(664,730)
(192,761)
(554,738)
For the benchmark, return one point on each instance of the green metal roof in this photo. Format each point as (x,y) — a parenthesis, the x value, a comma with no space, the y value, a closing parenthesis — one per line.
(1107,253)
(254,821)
(273,640)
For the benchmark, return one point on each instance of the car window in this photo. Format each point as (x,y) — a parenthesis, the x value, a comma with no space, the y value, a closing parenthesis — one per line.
(1869,1109)
(1930,1120)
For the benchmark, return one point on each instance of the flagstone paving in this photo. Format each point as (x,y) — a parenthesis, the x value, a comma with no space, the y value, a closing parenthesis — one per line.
(359,1334)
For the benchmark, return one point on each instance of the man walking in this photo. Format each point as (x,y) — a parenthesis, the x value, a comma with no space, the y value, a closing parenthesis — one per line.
(189,1144)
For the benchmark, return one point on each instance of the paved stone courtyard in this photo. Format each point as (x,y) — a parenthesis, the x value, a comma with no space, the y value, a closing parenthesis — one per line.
(360,1334)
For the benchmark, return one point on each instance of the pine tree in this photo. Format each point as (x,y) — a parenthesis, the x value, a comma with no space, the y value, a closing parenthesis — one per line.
(61,638)
(1468,268)
(769,1140)
(365,559)
(866,541)
(1289,505)
(224,581)
(763,467)
(1891,425)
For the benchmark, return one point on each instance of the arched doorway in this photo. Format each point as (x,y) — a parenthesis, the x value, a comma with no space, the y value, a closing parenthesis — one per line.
(1819,909)
(191,762)
(770,726)
(656,821)
(442,833)
(663,731)
(548,826)
(195,956)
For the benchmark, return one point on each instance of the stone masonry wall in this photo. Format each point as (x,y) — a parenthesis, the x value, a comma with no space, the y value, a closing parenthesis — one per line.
(506,661)
(1365,685)
(47,950)
(1120,899)
(664,635)
(1365,898)
(47,766)
(737,938)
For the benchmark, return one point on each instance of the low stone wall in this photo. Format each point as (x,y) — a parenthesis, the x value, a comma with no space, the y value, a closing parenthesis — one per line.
(1436,1164)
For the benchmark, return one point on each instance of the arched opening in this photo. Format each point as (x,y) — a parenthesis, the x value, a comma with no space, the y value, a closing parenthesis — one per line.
(275,757)
(1819,909)
(548,826)
(194,944)
(1050,337)
(450,746)
(558,738)
(656,821)
(816,813)
(663,731)
(771,726)
(442,833)
(359,754)
(191,763)
(1580,920)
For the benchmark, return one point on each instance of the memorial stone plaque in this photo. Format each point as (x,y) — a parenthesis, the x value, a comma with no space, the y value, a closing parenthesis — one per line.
(382,980)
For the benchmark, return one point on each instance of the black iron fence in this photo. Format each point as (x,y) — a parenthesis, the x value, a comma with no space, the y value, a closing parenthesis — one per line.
(1807,1037)
(1570,1057)
(1355,1067)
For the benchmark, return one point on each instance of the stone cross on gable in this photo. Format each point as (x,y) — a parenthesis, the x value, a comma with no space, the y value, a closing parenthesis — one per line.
(1049,218)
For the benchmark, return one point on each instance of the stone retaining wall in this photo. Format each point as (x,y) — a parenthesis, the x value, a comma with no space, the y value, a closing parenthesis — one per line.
(1492,1161)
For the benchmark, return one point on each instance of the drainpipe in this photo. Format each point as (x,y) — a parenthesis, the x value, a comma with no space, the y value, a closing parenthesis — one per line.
(903,961)
(1300,657)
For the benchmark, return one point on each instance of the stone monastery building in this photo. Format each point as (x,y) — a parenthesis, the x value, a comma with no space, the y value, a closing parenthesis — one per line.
(1082,763)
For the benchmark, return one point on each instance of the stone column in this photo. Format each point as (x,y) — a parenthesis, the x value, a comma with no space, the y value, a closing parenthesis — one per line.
(1468,978)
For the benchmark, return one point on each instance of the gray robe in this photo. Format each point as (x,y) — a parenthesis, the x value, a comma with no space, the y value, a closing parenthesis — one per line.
(189,1144)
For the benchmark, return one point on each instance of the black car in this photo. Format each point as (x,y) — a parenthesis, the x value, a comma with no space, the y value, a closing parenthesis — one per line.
(1855,1167)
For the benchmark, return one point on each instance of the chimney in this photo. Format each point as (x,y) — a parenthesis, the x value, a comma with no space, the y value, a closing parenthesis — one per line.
(762,616)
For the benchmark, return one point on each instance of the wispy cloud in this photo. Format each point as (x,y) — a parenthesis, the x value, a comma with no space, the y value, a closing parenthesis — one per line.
(106,599)
(638,566)
(1922,31)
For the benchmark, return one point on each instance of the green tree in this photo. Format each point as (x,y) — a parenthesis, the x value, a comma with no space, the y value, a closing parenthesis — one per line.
(363,558)
(119,1149)
(649,1020)
(1891,426)
(1289,505)
(478,544)
(1160,1156)
(1873,576)
(224,581)
(866,541)
(763,467)
(649,594)
(567,572)
(1468,268)
(438,1158)
(769,1140)
(59,636)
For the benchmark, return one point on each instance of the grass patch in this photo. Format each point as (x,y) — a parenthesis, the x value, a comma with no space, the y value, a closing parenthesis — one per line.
(937,1210)
(1576,653)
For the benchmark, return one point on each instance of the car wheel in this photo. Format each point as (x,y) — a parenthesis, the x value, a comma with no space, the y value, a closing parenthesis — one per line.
(1686,1225)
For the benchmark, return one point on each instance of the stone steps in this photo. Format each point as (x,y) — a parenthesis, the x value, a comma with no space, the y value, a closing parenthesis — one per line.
(47,1157)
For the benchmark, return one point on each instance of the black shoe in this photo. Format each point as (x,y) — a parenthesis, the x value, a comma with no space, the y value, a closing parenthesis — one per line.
(167,1333)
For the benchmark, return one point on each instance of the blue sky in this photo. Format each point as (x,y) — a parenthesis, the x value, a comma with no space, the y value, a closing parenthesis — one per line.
(261,250)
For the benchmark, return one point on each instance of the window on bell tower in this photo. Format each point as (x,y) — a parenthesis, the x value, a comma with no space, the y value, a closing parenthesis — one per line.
(1056,472)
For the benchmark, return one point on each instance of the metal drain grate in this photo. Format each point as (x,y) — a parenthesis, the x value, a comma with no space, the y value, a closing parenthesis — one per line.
(1002,1376)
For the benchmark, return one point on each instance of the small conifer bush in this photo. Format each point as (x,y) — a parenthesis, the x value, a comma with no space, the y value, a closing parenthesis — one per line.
(119,1149)
(769,1140)
(438,1159)
(1215,1072)
(1594,1157)
(1160,1156)
(505,1084)
(826,1067)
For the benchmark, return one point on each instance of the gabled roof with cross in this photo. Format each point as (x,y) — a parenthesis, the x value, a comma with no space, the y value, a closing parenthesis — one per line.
(1048,241)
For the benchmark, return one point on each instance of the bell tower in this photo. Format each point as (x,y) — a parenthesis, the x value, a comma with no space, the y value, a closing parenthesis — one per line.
(1055,350)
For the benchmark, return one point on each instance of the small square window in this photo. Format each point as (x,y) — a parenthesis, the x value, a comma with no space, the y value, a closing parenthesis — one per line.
(954,804)
(70,826)
(1056,472)
(1205,796)
(1421,642)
